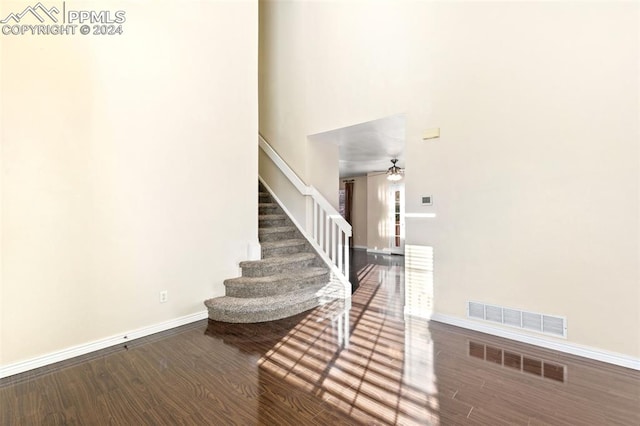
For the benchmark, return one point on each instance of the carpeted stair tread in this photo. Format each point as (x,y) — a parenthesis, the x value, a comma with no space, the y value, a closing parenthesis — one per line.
(271,216)
(247,287)
(289,263)
(283,243)
(268,205)
(260,309)
(277,229)
(282,247)
(312,271)
(271,219)
(277,233)
(264,197)
(280,260)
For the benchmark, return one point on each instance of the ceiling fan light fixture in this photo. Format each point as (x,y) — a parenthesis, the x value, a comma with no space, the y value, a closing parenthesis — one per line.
(394,173)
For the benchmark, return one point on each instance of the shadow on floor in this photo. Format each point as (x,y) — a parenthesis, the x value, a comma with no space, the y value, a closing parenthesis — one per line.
(360,261)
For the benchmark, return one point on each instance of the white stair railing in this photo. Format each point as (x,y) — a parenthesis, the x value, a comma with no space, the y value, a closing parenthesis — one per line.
(327,231)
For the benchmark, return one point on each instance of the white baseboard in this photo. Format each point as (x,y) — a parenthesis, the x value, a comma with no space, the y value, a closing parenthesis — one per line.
(383,251)
(360,247)
(569,348)
(74,351)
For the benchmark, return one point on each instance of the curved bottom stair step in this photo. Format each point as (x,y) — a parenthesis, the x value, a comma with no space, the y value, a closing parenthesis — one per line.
(261,309)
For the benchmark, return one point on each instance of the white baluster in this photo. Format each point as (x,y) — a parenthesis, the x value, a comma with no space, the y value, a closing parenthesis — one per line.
(321,229)
(346,256)
(327,246)
(340,249)
(334,242)
(315,221)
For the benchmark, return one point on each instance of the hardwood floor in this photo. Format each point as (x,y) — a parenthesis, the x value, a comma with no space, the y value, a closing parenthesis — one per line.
(368,366)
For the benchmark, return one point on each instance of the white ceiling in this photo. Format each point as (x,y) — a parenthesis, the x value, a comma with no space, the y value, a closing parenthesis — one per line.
(368,147)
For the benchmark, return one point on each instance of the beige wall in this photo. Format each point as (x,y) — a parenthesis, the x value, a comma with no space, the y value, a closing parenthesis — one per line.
(535,177)
(536,193)
(119,166)
(282,95)
(378,223)
(322,164)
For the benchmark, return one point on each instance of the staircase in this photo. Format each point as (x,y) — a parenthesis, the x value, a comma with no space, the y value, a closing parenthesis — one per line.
(289,279)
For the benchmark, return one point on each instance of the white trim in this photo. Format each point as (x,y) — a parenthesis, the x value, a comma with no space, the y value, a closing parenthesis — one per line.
(383,251)
(284,167)
(420,215)
(74,351)
(360,247)
(569,348)
(254,250)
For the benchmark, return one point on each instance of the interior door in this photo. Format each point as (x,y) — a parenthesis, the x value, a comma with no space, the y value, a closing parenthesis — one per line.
(396,217)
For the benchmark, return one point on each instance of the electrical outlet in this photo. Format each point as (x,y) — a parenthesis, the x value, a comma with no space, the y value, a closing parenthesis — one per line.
(164,296)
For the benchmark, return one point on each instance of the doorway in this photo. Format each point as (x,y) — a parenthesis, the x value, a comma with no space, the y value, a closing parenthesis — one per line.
(366,152)
(396,219)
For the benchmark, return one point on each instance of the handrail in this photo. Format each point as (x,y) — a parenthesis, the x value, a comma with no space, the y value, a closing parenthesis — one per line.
(329,232)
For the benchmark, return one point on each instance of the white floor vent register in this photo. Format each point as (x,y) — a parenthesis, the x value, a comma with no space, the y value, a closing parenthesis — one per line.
(546,324)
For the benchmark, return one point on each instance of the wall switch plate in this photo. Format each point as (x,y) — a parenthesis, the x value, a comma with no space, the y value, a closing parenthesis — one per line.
(164,296)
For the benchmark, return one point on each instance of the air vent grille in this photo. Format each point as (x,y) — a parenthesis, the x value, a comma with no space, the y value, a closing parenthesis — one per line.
(532,321)
(512,317)
(493,313)
(553,325)
(541,323)
(476,310)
